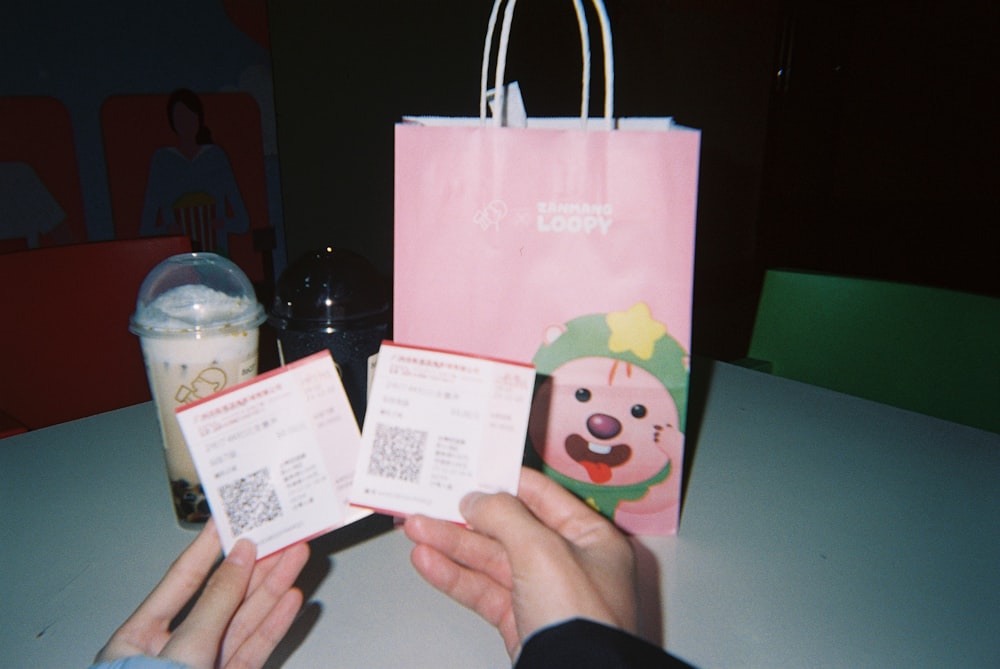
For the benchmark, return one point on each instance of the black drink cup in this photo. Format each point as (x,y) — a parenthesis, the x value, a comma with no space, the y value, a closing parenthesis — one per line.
(333,299)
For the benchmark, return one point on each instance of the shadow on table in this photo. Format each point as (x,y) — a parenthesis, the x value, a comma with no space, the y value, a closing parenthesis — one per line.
(698,385)
(351,535)
(300,629)
(650,602)
(318,568)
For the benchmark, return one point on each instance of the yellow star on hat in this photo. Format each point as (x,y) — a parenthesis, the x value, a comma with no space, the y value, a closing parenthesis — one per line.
(634,330)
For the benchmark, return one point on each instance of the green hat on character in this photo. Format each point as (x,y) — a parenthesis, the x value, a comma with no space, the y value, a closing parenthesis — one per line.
(632,336)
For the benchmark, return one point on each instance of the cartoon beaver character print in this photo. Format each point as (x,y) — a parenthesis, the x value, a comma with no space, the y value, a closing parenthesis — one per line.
(608,418)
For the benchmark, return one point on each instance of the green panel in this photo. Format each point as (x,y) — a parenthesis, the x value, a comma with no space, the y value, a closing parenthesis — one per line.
(925,349)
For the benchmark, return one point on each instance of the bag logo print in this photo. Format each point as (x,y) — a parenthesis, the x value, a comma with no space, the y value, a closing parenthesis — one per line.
(551,217)
(574,217)
(490,215)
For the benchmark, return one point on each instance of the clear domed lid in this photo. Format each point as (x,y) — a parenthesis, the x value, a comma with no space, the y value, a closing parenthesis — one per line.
(195,293)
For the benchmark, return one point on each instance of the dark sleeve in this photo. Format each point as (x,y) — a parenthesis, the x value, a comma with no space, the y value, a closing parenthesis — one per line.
(582,644)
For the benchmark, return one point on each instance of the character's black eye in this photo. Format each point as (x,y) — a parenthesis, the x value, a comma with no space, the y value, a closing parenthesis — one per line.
(582,395)
(638,411)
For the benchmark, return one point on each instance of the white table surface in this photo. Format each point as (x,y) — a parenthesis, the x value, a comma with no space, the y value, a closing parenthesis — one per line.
(819,530)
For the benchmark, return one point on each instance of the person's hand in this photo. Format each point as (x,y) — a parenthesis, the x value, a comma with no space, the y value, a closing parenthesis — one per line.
(241,616)
(529,562)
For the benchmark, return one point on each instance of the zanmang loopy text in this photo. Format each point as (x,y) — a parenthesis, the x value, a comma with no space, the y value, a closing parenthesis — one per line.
(574,217)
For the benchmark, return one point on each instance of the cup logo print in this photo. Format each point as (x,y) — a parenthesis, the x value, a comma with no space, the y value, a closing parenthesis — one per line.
(490,215)
(208,381)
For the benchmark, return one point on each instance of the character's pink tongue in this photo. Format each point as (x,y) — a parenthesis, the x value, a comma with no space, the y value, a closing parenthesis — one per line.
(598,471)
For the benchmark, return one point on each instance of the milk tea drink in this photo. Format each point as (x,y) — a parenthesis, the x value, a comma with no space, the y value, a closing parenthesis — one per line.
(184,369)
(197,318)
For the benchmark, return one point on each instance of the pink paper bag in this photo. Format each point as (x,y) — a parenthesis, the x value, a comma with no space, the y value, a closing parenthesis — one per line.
(569,245)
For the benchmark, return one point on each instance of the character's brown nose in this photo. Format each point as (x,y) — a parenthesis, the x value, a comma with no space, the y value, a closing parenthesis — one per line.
(603,426)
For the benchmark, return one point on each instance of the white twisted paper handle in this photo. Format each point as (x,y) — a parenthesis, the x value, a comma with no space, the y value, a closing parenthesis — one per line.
(499,92)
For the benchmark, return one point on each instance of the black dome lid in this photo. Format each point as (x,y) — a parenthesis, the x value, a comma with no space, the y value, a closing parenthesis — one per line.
(327,289)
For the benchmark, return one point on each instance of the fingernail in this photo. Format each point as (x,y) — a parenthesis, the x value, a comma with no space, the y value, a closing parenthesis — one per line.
(242,553)
(468,501)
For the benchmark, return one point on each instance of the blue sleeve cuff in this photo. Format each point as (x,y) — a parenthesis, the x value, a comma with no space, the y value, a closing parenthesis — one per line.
(140,662)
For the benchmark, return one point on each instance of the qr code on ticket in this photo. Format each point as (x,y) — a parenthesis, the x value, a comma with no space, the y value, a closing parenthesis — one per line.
(397,453)
(250,502)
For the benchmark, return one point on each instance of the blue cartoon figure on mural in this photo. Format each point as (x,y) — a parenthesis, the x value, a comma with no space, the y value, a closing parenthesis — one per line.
(607,421)
(191,188)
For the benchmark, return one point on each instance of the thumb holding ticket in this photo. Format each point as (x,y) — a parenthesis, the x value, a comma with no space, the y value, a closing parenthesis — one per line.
(530,561)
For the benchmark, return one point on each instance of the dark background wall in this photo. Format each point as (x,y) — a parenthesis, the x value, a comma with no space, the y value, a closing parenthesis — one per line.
(74,86)
(852,137)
